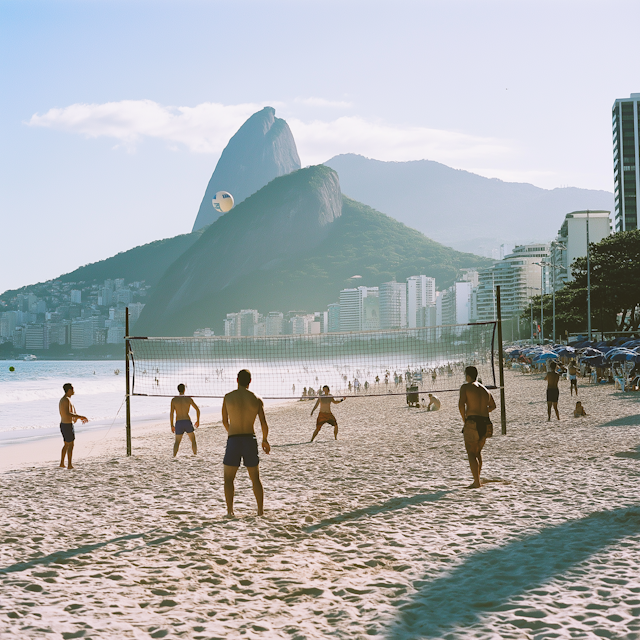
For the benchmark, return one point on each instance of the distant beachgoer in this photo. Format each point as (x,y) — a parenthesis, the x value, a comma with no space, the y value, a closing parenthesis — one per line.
(325,415)
(434,376)
(239,411)
(180,406)
(553,393)
(579,410)
(475,404)
(304,394)
(573,376)
(68,416)
(434,403)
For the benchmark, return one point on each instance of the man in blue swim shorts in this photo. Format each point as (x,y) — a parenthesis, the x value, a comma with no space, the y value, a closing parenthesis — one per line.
(180,406)
(239,411)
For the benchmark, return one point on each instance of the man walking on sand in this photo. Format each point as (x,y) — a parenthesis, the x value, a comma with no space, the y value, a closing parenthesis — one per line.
(325,415)
(553,393)
(573,376)
(68,416)
(239,411)
(475,404)
(180,406)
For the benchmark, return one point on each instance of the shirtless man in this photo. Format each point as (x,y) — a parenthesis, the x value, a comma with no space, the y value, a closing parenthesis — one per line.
(68,416)
(434,403)
(325,415)
(180,406)
(239,411)
(475,404)
(573,376)
(553,393)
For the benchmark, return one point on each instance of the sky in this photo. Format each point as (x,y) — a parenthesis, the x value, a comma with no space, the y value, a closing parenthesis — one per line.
(114,113)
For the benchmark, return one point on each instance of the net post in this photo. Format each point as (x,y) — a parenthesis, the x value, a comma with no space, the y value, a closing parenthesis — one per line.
(503,409)
(127,348)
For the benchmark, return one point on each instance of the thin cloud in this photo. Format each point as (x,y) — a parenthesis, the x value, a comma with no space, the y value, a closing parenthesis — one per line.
(319,140)
(321,102)
(207,127)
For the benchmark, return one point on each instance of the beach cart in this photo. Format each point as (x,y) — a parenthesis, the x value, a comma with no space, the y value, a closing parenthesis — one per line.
(413,397)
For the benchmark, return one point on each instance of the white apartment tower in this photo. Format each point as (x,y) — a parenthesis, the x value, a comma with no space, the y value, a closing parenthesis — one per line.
(393,305)
(421,291)
(625,123)
(355,315)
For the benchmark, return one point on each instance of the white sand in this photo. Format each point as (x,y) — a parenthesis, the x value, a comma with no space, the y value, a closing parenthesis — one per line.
(370,536)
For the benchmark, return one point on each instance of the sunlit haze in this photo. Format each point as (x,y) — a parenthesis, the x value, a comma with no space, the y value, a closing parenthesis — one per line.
(113,114)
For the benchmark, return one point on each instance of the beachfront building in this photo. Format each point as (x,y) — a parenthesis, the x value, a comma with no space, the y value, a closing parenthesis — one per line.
(571,242)
(355,314)
(421,291)
(456,303)
(333,314)
(393,305)
(519,276)
(274,323)
(626,161)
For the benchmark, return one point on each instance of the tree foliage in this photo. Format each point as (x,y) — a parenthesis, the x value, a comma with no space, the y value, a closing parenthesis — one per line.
(615,289)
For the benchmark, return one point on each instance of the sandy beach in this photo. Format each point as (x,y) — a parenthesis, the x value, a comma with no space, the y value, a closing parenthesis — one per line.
(373,535)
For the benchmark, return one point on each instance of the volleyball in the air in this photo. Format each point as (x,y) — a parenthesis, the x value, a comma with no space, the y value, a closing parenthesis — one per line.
(223,202)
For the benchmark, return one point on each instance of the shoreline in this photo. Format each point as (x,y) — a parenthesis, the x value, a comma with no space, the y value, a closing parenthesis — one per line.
(43,449)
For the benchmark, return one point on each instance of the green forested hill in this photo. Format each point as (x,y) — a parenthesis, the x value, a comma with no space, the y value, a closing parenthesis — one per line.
(147,262)
(361,242)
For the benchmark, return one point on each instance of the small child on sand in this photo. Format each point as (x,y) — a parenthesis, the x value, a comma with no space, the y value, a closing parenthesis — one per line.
(579,411)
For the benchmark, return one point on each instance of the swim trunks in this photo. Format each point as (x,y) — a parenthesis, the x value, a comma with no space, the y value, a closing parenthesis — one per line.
(573,377)
(68,434)
(241,446)
(553,393)
(481,424)
(325,417)
(183,426)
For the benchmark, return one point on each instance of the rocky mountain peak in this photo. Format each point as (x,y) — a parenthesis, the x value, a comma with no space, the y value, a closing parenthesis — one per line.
(261,150)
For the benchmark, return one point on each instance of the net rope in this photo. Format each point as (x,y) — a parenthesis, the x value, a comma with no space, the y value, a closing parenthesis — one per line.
(403,361)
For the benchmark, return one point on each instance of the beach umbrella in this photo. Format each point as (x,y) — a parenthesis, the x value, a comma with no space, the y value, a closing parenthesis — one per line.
(549,355)
(590,351)
(618,356)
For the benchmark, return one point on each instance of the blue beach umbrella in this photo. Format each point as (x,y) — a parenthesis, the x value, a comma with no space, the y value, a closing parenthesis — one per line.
(548,355)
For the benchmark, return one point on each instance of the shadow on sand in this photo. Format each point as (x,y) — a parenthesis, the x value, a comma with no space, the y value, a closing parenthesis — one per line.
(489,579)
(390,505)
(627,421)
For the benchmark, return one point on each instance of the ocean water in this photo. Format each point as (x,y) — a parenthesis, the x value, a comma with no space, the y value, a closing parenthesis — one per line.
(29,398)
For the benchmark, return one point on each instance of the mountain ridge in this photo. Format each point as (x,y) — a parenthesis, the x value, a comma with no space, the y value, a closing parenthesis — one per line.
(428,195)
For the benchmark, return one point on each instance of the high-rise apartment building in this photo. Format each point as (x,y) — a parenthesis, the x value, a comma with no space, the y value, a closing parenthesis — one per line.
(273,323)
(625,122)
(421,291)
(520,278)
(355,315)
(333,313)
(571,242)
(393,305)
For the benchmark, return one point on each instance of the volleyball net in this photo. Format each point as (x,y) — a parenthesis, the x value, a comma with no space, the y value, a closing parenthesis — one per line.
(423,360)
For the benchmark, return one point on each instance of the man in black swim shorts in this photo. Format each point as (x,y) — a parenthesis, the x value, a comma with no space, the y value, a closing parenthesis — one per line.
(553,393)
(67,417)
(239,411)
(475,404)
